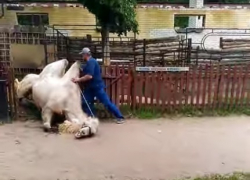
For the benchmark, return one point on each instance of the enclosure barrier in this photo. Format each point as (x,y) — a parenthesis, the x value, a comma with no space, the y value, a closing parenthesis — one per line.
(4,110)
(137,52)
(202,87)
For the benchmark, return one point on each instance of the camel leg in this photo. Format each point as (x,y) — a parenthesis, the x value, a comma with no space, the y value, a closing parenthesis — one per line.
(47,116)
(72,117)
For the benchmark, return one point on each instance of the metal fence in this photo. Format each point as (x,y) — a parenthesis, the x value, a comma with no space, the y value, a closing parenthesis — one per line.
(218,45)
(200,87)
(147,52)
(52,39)
(127,87)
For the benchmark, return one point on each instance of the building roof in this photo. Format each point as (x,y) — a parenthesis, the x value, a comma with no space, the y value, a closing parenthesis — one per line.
(141,5)
(162,4)
(229,2)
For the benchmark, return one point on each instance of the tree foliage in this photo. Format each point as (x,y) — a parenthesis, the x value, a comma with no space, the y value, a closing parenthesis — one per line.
(146,1)
(187,1)
(117,15)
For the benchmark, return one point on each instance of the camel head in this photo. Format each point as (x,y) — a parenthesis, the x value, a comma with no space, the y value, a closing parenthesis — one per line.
(55,69)
(74,71)
(89,127)
(23,88)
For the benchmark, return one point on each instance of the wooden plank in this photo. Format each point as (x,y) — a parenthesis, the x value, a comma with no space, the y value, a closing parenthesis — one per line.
(175,83)
(158,89)
(112,93)
(122,84)
(164,90)
(152,86)
(233,88)
(204,91)
(129,86)
(216,86)
(187,88)
(134,85)
(228,83)
(116,96)
(243,92)
(140,86)
(221,88)
(239,85)
(248,91)
(171,96)
(199,87)
(106,73)
(181,90)
(146,88)
(167,91)
(193,85)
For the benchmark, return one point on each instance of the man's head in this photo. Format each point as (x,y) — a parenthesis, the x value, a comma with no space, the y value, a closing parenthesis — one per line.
(86,54)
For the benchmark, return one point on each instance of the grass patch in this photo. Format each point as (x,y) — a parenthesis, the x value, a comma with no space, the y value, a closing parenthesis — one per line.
(147,113)
(153,113)
(194,112)
(234,176)
(187,111)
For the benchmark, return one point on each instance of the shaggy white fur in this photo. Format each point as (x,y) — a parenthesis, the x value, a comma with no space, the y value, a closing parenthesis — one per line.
(54,93)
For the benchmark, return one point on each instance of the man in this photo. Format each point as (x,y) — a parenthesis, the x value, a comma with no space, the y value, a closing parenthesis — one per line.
(94,87)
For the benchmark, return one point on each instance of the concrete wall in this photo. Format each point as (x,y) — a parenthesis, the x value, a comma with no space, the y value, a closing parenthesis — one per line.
(154,22)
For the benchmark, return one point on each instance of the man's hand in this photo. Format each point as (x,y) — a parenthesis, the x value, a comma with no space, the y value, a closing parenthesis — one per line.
(75,80)
(82,79)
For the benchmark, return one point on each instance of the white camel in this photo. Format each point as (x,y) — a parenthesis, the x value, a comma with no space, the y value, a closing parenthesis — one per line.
(55,69)
(54,93)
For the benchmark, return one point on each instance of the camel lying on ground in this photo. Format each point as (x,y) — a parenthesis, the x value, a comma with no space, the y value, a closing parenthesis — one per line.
(54,92)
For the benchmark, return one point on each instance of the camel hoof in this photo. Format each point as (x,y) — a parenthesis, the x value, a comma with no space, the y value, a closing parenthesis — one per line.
(46,127)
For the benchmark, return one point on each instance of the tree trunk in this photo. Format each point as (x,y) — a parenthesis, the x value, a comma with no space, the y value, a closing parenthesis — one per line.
(105,46)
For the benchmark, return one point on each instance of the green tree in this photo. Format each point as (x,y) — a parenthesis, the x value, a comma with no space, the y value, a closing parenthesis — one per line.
(115,16)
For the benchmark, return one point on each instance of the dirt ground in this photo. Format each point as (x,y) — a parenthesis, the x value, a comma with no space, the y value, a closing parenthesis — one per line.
(138,149)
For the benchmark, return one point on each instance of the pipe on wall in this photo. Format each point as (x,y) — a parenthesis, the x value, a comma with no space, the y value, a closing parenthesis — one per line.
(2,10)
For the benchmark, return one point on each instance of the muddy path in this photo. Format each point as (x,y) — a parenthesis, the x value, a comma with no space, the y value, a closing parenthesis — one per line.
(160,149)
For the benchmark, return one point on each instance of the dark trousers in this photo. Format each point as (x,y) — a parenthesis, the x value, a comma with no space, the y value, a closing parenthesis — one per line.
(102,96)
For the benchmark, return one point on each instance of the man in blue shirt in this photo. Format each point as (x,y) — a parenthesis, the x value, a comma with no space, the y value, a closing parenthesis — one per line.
(94,87)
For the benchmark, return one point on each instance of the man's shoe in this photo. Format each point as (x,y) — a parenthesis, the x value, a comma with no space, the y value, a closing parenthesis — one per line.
(120,121)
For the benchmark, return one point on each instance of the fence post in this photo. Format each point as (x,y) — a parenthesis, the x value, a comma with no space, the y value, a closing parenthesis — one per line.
(162,60)
(134,48)
(197,55)
(133,89)
(221,42)
(12,89)
(67,48)
(144,64)
(144,52)
(189,50)
(45,52)
(4,114)
(218,74)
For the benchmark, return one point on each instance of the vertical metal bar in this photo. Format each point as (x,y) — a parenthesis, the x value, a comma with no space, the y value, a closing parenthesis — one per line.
(4,110)
(144,52)
(134,51)
(189,51)
(45,52)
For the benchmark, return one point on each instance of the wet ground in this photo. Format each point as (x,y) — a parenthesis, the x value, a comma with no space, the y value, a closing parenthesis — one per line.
(138,149)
